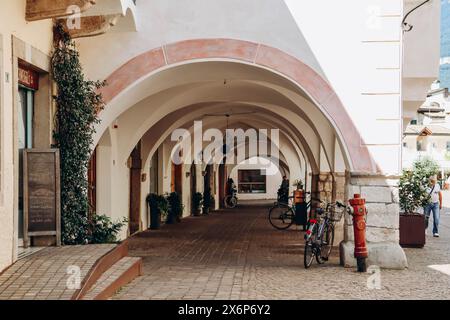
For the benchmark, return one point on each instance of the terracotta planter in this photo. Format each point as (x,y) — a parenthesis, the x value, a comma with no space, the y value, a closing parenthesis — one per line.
(412,230)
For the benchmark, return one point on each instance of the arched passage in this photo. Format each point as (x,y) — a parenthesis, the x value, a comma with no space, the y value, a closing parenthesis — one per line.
(173,86)
(306,79)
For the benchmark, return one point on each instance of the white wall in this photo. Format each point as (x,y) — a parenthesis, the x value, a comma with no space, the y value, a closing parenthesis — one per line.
(273,181)
(37,35)
(357,50)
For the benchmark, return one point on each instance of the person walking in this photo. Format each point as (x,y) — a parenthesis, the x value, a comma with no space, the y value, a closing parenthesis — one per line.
(435,205)
(283,192)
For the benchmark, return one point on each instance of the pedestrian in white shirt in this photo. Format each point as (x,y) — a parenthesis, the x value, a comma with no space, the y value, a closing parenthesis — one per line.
(435,205)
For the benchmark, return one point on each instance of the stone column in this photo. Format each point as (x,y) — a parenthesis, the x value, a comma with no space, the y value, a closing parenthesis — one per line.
(338,194)
(325,186)
(315,186)
(382,234)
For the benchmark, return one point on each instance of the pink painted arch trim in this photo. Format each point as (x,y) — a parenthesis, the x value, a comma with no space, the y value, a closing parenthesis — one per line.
(260,55)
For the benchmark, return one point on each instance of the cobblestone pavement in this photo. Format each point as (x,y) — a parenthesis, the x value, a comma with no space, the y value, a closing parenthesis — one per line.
(238,255)
(44,275)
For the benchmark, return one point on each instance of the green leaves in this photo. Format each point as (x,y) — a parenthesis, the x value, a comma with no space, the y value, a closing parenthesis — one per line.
(175,206)
(78,105)
(104,230)
(413,185)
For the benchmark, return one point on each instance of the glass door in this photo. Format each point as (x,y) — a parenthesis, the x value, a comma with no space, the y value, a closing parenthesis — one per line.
(25,135)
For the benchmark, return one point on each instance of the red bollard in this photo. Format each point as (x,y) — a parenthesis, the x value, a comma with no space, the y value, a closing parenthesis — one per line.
(359,226)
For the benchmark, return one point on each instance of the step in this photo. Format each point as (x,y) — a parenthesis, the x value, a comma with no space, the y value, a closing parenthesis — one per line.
(120,274)
(102,265)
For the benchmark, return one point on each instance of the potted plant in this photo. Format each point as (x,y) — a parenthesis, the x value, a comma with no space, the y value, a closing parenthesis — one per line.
(207,201)
(158,208)
(298,184)
(175,208)
(197,200)
(413,195)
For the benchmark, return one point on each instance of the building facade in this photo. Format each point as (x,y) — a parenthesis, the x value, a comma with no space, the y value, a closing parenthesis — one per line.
(428,135)
(337,87)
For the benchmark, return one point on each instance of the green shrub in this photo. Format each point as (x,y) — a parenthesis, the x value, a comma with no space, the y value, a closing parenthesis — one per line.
(78,104)
(158,203)
(104,230)
(175,208)
(197,200)
(413,185)
(426,167)
(207,201)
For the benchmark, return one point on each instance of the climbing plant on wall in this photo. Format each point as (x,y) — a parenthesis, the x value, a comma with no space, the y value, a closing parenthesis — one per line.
(78,104)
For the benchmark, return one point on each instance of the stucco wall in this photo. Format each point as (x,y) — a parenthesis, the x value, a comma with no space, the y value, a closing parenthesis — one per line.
(357,50)
(37,35)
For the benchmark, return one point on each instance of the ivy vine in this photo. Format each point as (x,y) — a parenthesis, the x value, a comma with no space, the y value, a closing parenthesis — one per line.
(78,105)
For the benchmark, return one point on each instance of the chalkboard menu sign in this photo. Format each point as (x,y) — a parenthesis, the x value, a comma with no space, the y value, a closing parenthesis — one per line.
(42,211)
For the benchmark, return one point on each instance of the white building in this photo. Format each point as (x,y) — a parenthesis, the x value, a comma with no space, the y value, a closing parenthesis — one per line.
(428,135)
(340,84)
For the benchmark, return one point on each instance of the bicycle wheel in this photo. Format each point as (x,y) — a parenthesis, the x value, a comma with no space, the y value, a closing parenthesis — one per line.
(327,243)
(230,202)
(281,217)
(233,202)
(308,255)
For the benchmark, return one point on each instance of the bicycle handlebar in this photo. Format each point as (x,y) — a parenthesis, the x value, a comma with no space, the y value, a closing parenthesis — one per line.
(340,205)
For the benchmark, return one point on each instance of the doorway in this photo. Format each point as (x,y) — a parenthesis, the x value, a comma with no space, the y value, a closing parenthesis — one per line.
(193,186)
(135,189)
(25,141)
(177,179)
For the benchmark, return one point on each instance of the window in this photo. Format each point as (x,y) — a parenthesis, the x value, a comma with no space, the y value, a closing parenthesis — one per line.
(448,146)
(413,122)
(421,145)
(252,181)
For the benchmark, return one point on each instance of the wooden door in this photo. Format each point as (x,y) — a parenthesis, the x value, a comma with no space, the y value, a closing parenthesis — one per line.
(177,179)
(135,190)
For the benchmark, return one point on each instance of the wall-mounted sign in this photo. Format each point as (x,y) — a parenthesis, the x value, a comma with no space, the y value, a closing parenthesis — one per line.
(42,210)
(28,78)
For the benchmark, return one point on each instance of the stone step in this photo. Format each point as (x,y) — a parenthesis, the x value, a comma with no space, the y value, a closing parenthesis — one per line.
(120,274)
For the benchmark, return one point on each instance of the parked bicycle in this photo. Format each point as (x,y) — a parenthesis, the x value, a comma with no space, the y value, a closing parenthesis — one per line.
(282,214)
(320,234)
(231,200)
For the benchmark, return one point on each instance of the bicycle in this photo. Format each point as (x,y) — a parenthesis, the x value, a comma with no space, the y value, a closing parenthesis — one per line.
(282,214)
(320,234)
(231,200)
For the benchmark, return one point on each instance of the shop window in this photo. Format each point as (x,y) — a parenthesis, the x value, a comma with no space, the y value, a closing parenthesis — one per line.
(252,181)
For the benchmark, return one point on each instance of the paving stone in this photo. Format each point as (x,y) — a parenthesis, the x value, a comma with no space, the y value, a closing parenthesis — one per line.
(43,275)
(243,257)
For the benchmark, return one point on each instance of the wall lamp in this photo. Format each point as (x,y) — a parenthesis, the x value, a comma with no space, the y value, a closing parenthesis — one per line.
(405,25)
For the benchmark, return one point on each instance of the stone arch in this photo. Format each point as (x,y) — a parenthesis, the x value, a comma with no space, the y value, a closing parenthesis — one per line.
(305,78)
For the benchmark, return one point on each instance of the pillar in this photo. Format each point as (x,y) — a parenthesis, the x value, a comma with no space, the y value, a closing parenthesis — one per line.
(382,234)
